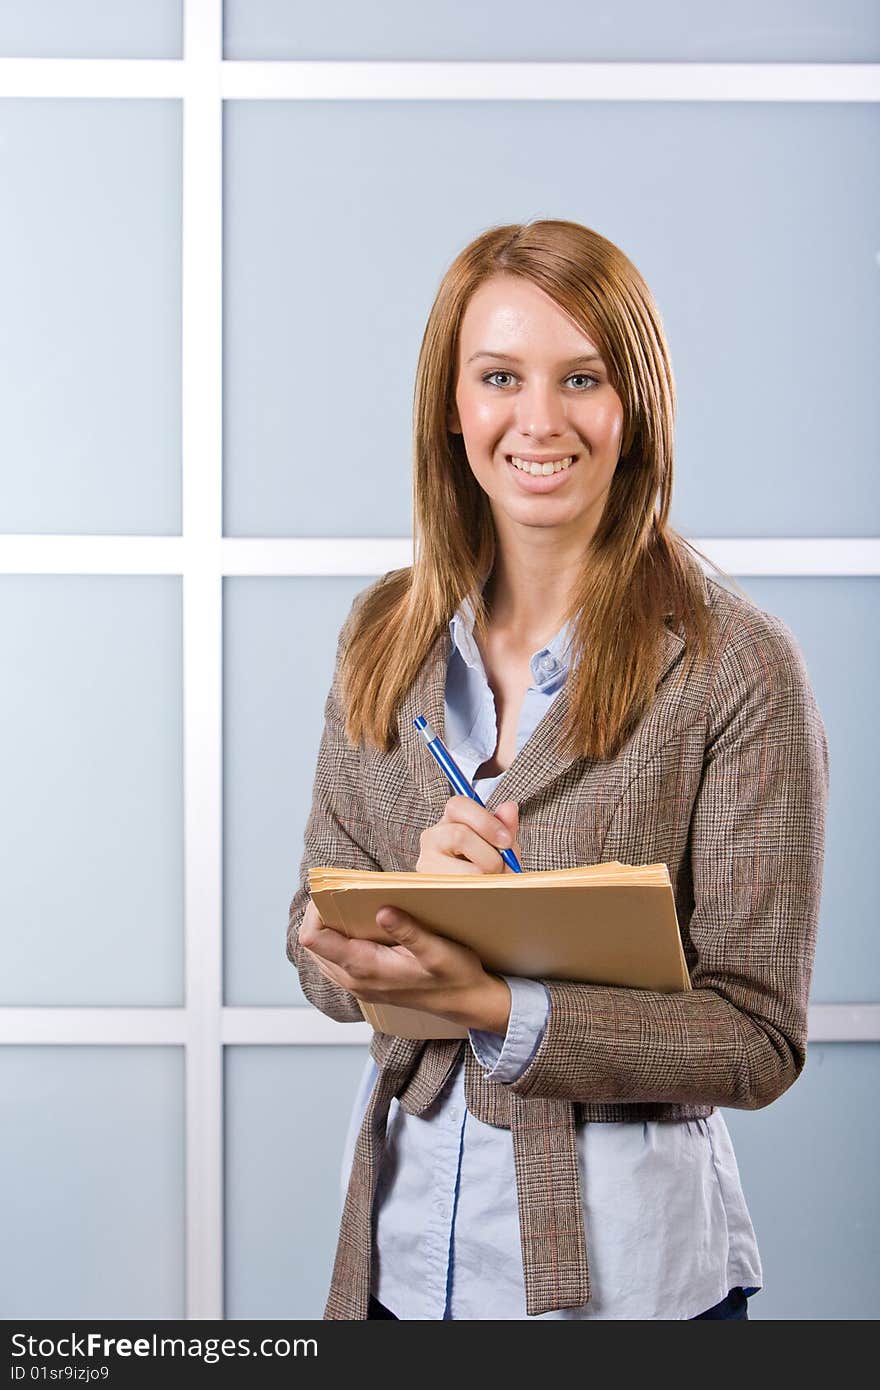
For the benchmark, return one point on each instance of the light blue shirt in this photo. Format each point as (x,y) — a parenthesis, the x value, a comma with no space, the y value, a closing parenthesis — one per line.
(668,1231)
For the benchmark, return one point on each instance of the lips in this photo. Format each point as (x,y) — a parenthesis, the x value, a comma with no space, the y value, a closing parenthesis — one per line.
(535,483)
(543,458)
(536,466)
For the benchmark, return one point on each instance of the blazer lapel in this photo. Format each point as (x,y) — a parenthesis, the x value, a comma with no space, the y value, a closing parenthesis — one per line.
(427,696)
(541,761)
(538,763)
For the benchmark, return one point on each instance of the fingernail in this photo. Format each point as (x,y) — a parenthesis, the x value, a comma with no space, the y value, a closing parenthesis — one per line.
(503,838)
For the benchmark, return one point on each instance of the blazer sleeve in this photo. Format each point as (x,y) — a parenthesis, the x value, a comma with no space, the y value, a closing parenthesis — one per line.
(738,1038)
(338,833)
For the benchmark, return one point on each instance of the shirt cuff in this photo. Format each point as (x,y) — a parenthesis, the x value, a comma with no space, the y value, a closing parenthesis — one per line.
(507,1058)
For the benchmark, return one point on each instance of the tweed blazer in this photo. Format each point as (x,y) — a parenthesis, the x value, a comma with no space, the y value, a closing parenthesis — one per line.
(725,780)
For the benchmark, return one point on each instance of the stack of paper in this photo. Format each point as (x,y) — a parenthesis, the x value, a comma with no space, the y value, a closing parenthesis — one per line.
(605,924)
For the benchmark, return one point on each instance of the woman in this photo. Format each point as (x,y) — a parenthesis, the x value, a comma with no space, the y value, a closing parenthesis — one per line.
(608,702)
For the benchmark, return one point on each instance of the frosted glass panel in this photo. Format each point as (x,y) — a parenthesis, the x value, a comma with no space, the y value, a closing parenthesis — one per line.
(835,622)
(560,30)
(287,1113)
(808,1165)
(280,644)
(752,223)
(90,239)
(91,817)
(92,1172)
(91,29)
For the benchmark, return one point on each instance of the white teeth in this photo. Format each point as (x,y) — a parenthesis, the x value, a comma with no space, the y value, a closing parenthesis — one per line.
(539,469)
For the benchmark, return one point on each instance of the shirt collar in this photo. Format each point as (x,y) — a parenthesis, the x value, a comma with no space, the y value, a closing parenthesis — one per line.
(549,664)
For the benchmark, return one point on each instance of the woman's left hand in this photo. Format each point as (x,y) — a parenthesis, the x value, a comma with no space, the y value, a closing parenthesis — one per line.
(420,970)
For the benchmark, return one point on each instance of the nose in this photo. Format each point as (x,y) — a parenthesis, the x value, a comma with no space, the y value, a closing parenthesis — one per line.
(541,412)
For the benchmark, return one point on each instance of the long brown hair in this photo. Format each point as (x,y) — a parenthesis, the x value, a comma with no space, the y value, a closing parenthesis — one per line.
(638,571)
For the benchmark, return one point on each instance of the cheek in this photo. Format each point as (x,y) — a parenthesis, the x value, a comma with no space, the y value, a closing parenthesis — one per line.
(480,418)
(607,426)
(477,411)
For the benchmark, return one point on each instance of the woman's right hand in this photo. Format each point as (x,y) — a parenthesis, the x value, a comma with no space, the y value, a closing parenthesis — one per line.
(468,839)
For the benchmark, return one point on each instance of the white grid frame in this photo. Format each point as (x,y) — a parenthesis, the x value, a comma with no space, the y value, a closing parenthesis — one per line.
(202,556)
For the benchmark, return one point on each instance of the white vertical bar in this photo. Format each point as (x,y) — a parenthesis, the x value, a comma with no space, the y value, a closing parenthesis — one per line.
(202,650)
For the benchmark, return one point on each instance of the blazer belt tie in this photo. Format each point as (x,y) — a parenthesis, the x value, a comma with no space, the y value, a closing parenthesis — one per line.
(551,1213)
(551,1218)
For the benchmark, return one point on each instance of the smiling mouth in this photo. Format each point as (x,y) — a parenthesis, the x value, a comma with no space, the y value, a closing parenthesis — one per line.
(541,470)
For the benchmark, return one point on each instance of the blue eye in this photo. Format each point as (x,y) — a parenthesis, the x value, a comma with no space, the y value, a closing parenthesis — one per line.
(584,376)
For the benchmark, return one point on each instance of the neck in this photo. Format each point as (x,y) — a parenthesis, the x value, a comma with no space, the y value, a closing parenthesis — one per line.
(527,594)
(536,574)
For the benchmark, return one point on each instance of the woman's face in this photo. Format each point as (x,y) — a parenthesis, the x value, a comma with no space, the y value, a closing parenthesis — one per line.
(529,386)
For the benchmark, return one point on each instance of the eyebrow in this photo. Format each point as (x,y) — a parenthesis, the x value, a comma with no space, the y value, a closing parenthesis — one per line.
(507,357)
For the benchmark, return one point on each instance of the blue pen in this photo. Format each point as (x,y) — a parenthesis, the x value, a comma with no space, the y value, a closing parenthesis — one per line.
(459,782)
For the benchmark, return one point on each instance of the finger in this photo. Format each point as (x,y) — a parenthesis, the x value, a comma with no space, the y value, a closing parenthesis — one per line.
(463,810)
(311,924)
(424,945)
(330,945)
(333,973)
(455,838)
(355,960)
(508,812)
(312,933)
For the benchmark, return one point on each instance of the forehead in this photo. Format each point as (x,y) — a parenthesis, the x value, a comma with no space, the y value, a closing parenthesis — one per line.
(510,314)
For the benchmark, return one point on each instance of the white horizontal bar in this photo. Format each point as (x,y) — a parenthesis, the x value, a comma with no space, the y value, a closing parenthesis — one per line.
(311,81)
(345,555)
(36,554)
(25,554)
(825,555)
(844,1023)
(100,1026)
(249,1026)
(453,81)
(92,77)
(300,1025)
(827,1023)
